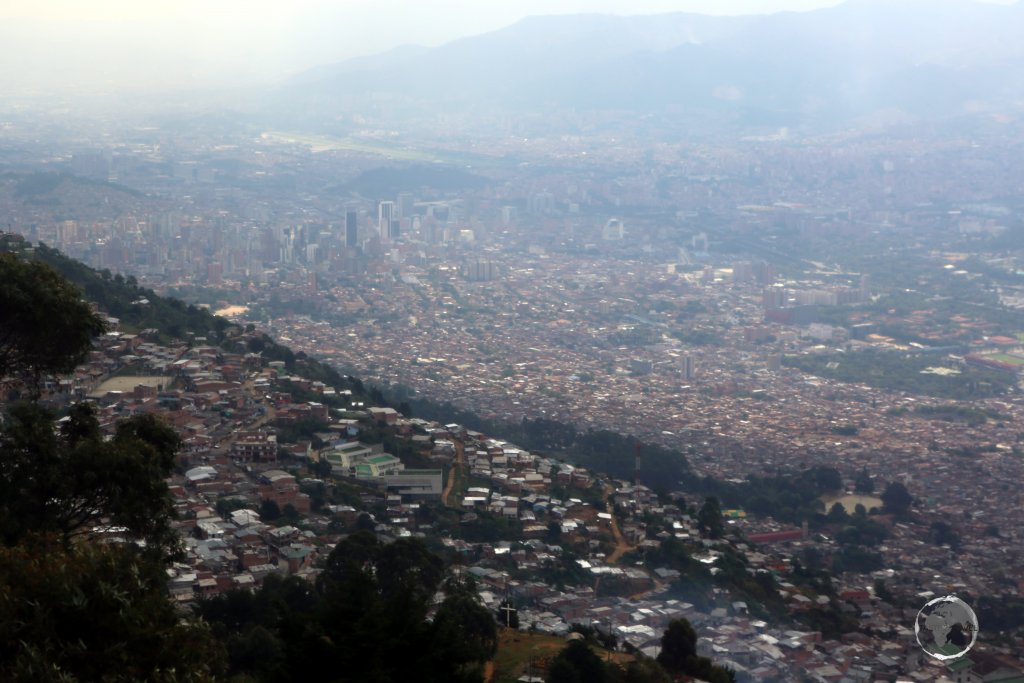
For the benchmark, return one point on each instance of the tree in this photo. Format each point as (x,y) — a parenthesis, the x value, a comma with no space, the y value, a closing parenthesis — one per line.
(896,499)
(322,468)
(863,483)
(720,674)
(678,646)
(827,479)
(66,481)
(45,326)
(882,592)
(709,518)
(836,514)
(365,522)
(71,607)
(645,670)
(577,663)
(941,533)
(269,510)
(469,629)
(98,613)
(371,623)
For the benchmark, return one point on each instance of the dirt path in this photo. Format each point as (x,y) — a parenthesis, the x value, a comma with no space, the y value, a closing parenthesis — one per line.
(621,547)
(460,459)
(488,671)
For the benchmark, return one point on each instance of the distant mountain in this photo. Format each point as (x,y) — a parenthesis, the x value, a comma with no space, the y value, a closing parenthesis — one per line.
(920,59)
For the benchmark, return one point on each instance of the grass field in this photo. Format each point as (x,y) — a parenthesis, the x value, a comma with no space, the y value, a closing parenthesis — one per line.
(324,143)
(1007,358)
(849,502)
(129,382)
(520,652)
(516,651)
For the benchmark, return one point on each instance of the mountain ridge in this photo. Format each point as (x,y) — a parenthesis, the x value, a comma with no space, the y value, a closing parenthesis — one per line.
(826,66)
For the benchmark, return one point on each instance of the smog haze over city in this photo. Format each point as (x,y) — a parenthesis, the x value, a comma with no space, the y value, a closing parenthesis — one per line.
(691,328)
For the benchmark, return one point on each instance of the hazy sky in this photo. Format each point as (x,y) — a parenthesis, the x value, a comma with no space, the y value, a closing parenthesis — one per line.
(44,43)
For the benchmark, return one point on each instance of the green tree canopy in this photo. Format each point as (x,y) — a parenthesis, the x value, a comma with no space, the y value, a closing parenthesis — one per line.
(467,629)
(709,518)
(577,663)
(74,604)
(98,613)
(45,326)
(73,483)
(678,646)
(836,514)
(863,482)
(896,499)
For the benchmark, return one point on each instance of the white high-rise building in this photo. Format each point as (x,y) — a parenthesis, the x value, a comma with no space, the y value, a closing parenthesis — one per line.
(613,229)
(385,215)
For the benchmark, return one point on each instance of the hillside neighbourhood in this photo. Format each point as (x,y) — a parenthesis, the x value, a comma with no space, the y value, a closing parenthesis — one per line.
(277,468)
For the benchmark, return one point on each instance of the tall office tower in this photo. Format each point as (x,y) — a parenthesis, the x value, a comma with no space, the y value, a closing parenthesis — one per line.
(541,203)
(742,271)
(773,297)
(508,215)
(613,230)
(865,287)
(351,229)
(688,367)
(405,205)
(214,274)
(385,214)
(699,242)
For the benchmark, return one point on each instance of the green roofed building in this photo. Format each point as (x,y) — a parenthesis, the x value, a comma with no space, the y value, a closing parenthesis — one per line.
(378,465)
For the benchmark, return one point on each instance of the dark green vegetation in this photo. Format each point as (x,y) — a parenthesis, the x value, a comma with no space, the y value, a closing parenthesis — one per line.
(578,662)
(72,606)
(709,518)
(679,655)
(953,413)
(901,372)
(122,298)
(304,366)
(791,497)
(602,451)
(896,499)
(62,482)
(47,328)
(365,619)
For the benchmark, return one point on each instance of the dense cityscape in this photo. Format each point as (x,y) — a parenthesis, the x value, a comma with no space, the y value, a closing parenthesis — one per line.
(767,383)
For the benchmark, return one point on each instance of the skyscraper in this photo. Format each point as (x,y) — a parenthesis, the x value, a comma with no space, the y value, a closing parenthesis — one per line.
(613,229)
(405,205)
(351,229)
(385,214)
(688,367)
